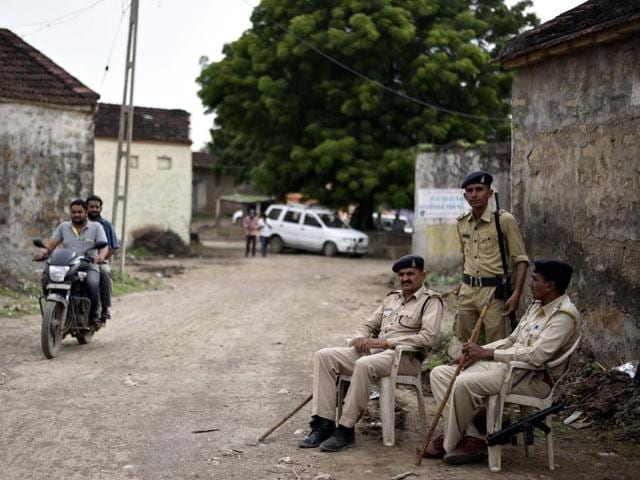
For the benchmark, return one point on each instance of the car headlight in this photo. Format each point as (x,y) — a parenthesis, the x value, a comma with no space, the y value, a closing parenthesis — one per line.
(57,274)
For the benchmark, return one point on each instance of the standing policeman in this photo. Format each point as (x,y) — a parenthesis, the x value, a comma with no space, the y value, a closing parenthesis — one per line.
(483,269)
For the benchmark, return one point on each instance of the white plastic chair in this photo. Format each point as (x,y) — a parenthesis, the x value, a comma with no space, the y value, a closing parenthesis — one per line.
(495,411)
(388,395)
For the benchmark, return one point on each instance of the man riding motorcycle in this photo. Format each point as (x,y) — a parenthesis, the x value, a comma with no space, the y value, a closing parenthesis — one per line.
(80,235)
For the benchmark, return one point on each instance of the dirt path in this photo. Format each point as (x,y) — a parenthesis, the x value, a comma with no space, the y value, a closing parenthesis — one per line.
(227,346)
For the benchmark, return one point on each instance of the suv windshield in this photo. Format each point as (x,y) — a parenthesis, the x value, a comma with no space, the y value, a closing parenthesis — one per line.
(331,220)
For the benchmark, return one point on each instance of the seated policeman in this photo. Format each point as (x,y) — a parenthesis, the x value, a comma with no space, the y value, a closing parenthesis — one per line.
(547,330)
(410,316)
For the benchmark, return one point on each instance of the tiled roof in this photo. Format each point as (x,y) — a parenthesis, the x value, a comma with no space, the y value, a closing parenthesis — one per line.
(587,18)
(26,74)
(157,124)
(203,160)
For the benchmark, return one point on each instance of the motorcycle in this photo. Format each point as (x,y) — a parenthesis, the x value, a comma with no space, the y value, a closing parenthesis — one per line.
(65,304)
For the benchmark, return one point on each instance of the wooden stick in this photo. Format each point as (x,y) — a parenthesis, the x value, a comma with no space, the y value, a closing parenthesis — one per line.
(286,417)
(443,403)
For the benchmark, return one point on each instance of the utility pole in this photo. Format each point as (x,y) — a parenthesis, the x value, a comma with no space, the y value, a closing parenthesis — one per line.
(125,128)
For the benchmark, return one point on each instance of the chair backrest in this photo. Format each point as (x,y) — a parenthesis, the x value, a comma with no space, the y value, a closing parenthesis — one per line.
(564,358)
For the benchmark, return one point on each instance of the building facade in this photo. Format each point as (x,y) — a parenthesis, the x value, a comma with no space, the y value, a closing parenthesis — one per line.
(160,169)
(46,148)
(576,161)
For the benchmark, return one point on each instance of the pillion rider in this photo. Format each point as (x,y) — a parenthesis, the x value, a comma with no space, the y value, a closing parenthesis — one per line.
(94,211)
(80,235)
(410,316)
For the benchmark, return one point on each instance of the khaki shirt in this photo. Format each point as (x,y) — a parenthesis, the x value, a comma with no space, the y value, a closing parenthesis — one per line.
(479,243)
(544,334)
(399,323)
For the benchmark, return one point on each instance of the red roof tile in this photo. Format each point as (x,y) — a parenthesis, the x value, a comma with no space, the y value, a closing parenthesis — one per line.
(157,124)
(27,74)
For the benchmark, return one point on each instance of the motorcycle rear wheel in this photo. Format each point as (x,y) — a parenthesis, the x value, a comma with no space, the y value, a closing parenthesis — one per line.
(86,338)
(51,334)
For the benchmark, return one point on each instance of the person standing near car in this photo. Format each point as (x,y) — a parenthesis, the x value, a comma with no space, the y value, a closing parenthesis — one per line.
(251,228)
(94,212)
(483,269)
(80,235)
(265,233)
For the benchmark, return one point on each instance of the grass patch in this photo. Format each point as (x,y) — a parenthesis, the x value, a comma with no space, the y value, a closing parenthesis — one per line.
(139,252)
(124,283)
(20,301)
(436,278)
(438,354)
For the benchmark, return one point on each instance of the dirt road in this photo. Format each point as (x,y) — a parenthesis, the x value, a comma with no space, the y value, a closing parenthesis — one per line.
(225,347)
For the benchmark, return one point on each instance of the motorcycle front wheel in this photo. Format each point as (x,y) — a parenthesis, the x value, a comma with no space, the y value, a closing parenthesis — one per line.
(52,322)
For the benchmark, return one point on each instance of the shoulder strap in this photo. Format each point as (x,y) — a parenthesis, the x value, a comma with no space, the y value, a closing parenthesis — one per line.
(429,297)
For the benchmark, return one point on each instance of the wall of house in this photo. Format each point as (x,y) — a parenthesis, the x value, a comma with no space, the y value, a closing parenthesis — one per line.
(157,196)
(576,183)
(210,186)
(439,198)
(46,161)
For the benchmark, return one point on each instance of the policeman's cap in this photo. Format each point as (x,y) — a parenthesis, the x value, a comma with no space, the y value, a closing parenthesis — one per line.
(555,270)
(480,176)
(408,261)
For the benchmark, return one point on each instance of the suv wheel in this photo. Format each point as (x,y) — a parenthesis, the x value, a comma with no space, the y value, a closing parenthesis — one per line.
(329,249)
(276,245)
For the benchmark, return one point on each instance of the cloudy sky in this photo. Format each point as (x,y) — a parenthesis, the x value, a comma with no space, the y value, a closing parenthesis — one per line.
(85,36)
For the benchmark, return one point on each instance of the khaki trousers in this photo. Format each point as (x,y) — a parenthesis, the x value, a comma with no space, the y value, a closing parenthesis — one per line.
(328,363)
(473,385)
(470,303)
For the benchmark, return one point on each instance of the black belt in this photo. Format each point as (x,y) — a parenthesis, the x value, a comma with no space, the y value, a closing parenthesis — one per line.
(481,281)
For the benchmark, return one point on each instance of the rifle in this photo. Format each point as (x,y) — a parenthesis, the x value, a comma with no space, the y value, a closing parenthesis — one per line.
(526,425)
(503,290)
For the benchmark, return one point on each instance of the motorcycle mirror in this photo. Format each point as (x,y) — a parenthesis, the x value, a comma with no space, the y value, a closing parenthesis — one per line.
(99,245)
(39,243)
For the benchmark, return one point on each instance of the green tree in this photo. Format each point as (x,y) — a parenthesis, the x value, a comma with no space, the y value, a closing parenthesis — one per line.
(293,119)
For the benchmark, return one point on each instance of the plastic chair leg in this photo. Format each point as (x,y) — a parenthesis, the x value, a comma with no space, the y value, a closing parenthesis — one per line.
(387,411)
(493,425)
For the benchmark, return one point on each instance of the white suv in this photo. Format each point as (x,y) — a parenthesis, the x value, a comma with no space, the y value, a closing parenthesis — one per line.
(313,229)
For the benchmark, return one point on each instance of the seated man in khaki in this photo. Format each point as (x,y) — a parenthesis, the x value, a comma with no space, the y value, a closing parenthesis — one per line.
(548,329)
(410,316)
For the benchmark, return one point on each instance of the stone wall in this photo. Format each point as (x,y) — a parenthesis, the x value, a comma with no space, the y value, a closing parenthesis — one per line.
(158,196)
(442,171)
(46,161)
(576,183)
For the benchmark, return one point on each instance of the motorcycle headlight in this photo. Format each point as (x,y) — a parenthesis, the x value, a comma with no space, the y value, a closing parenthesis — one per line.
(57,274)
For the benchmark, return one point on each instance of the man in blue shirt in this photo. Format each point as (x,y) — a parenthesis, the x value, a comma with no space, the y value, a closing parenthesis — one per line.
(94,204)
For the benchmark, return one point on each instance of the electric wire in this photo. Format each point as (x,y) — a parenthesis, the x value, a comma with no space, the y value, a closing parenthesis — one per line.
(56,21)
(113,45)
(378,83)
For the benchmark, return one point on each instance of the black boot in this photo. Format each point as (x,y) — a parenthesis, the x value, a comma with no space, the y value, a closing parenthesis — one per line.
(321,429)
(342,438)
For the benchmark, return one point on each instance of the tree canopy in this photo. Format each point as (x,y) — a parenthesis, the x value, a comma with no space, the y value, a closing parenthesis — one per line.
(331,97)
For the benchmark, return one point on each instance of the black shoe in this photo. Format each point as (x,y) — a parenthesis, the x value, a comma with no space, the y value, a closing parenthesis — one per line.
(98,324)
(342,438)
(321,429)
(106,314)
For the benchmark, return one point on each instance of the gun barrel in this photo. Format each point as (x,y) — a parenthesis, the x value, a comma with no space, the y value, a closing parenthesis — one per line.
(502,437)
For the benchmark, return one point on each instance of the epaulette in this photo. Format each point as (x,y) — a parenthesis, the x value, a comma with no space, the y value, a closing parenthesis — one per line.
(463,215)
(392,292)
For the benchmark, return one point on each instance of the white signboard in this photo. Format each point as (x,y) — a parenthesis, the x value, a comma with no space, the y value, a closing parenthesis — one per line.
(440,205)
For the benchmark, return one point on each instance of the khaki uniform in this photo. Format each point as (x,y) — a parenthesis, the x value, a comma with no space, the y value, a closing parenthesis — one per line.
(543,334)
(481,251)
(414,322)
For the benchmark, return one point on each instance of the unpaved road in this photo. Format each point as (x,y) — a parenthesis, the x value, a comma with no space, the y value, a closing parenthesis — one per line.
(226,346)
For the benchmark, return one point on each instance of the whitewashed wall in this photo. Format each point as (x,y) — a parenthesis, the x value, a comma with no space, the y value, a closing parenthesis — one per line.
(157,196)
